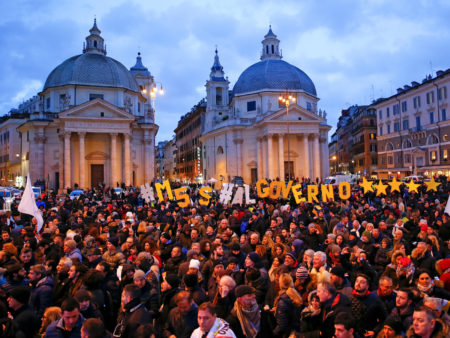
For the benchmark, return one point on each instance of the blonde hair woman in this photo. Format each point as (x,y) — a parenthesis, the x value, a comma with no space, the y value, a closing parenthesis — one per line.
(287,307)
(51,314)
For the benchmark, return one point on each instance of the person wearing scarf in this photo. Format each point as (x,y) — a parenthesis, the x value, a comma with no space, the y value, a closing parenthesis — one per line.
(425,284)
(246,319)
(366,307)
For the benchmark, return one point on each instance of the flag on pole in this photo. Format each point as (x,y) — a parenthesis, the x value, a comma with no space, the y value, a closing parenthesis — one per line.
(447,207)
(28,204)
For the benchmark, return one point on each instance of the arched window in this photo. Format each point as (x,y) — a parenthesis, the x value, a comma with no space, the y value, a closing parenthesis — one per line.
(433,139)
(267,49)
(273,50)
(95,43)
(389,146)
(220,150)
(407,144)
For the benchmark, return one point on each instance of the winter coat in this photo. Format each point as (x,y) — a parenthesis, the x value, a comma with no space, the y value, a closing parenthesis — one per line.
(287,316)
(135,315)
(181,325)
(441,330)
(368,311)
(41,296)
(25,322)
(57,330)
(330,309)
(114,258)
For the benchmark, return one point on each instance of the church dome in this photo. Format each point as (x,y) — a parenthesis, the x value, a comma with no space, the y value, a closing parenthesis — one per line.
(92,68)
(273,74)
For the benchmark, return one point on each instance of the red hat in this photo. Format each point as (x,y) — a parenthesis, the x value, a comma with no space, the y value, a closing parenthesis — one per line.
(424,228)
(405,261)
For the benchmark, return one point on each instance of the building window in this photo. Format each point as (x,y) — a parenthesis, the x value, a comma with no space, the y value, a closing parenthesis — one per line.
(139,107)
(404,106)
(372,136)
(445,154)
(407,158)
(396,126)
(433,156)
(383,160)
(374,160)
(28,136)
(442,93)
(444,114)
(220,150)
(381,131)
(405,124)
(372,123)
(430,97)
(218,96)
(95,96)
(47,103)
(395,109)
(251,105)
(431,117)
(387,112)
(388,128)
(390,160)
(308,106)
(416,102)
(373,148)
(418,125)
(380,114)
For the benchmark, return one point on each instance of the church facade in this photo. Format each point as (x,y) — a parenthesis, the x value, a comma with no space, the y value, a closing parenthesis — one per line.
(95,123)
(249,132)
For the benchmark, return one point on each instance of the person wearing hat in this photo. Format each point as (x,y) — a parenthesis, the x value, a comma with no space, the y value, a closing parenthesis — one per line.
(113,256)
(367,307)
(195,290)
(165,246)
(169,288)
(340,281)
(246,318)
(392,328)
(25,322)
(149,295)
(290,261)
(94,256)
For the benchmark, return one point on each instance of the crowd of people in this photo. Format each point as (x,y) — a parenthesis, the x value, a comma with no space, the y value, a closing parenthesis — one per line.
(106,265)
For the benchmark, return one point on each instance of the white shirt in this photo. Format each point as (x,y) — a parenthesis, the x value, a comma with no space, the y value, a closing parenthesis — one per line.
(220,329)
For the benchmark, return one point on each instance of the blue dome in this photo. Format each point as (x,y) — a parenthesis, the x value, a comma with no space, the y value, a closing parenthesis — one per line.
(273,74)
(91,69)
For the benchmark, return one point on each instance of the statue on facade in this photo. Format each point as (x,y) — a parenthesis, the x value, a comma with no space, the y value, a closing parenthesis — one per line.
(127,104)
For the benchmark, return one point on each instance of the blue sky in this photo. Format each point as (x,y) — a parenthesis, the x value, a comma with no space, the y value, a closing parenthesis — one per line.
(354,51)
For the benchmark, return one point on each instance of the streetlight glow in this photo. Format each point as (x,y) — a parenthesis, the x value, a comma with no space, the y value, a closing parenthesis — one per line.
(286,100)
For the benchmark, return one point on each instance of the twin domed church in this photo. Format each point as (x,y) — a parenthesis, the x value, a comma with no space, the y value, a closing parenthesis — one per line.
(248,131)
(95,122)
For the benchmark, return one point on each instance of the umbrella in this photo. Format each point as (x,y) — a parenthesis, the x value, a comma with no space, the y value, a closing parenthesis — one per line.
(212,180)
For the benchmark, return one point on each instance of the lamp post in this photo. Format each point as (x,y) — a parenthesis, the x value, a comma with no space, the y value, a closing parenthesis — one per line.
(154,90)
(286,100)
(334,158)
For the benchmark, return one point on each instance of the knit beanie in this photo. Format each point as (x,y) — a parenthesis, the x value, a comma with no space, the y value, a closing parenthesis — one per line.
(302,272)
(21,294)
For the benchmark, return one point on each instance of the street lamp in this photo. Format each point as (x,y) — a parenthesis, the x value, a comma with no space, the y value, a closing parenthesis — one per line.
(154,90)
(334,158)
(286,100)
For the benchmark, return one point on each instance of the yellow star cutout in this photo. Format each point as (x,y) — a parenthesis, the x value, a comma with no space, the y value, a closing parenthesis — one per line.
(432,184)
(412,186)
(395,185)
(381,188)
(366,185)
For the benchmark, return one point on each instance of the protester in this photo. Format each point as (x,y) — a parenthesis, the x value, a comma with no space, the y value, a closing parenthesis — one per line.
(210,325)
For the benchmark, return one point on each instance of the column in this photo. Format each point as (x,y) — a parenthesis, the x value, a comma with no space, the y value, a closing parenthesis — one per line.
(127,159)
(238,143)
(82,163)
(67,162)
(259,158)
(113,159)
(270,157)
(316,155)
(281,157)
(306,155)
(61,164)
(147,156)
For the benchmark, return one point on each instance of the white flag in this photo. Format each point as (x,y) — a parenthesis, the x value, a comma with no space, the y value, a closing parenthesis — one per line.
(28,204)
(447,207)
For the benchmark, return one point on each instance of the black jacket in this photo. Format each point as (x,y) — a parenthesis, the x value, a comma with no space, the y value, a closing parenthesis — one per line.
(287,316)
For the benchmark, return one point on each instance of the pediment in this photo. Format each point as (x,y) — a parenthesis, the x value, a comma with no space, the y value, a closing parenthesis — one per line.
(296,114)
(97,109)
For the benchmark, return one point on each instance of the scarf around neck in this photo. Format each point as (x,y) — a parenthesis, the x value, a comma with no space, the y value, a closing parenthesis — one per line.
(250,319)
